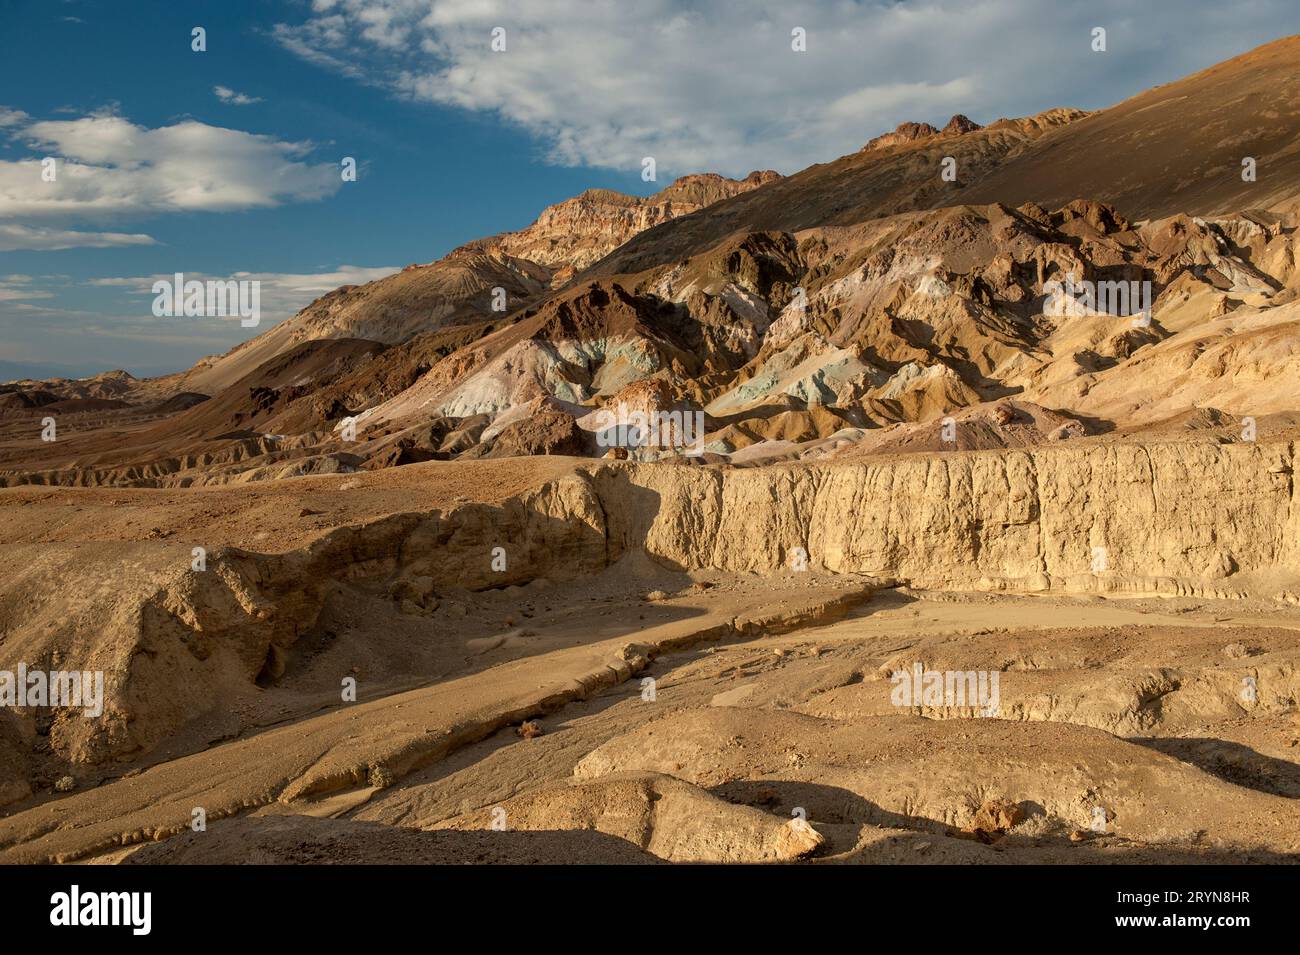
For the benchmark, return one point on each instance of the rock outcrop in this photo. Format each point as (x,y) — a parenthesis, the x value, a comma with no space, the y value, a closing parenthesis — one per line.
(571,235)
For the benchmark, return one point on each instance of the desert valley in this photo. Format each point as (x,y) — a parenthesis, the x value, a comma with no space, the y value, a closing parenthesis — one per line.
(982,546)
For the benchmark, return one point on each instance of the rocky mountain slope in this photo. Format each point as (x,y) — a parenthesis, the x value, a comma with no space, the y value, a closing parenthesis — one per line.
(1177,148)
(859,307)
(457,290)
(569,236)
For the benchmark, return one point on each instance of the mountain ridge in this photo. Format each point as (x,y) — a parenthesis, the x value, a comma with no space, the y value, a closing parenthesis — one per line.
(843,309)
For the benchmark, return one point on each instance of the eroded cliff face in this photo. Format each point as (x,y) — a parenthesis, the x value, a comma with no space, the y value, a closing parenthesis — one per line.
(1181,518)
(1042,518)
(571,235)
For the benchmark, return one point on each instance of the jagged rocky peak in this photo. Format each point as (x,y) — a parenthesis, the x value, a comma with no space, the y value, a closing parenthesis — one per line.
(910,132)
(959,125)
(904,133)
(574,233)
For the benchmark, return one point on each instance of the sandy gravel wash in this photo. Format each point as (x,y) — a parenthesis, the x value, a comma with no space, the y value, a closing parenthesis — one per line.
(373,744)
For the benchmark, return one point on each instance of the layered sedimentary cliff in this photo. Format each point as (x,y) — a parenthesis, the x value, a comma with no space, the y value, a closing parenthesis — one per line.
(1203,512)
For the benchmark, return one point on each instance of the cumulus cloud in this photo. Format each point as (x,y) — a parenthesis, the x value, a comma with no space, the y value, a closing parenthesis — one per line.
(15,237)
(229,96)
(107,165)
(718,86)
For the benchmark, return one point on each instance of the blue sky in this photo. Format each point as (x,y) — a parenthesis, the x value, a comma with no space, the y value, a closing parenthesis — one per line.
(225,162)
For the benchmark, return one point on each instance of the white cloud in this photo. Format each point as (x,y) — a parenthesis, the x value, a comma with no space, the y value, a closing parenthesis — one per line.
(14,237)
(11,289)
(282,293)
(108,165)
(227,95)
(108,322)
(717,87)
